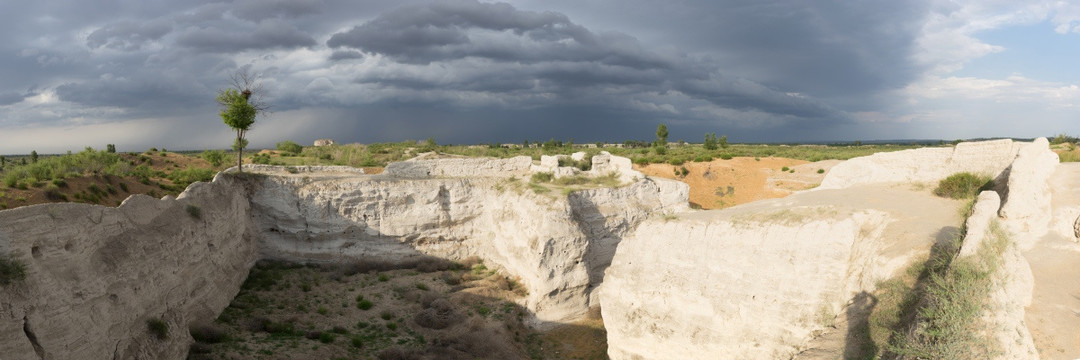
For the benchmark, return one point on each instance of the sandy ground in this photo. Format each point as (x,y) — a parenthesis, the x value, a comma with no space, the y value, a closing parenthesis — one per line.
(1054,315)
(726,183)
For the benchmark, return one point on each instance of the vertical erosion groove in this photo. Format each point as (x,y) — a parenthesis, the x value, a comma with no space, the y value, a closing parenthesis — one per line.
(33,338)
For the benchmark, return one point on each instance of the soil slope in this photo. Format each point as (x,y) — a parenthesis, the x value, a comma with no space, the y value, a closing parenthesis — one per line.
(725,183)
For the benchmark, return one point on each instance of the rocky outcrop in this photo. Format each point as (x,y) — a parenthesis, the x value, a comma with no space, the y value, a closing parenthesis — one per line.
(559,246)
(1027,202)
(748,282)
(459,167)
(96,275)
(1011,277)
(748,288)
(925,164)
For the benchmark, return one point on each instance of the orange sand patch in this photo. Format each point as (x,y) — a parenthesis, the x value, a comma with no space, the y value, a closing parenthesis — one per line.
(725,183)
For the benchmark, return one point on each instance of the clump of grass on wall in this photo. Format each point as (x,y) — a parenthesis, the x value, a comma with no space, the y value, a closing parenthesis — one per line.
(963,185)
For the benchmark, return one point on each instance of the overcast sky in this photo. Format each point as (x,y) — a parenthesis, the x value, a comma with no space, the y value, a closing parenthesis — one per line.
(144,73)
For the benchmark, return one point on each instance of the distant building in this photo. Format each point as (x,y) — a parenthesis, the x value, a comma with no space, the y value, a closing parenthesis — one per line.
(324,142)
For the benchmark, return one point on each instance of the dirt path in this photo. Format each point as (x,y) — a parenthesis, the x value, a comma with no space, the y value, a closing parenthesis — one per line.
(1054,315)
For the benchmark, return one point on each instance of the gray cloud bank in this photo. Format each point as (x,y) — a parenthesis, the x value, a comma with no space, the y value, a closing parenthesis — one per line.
(462,70)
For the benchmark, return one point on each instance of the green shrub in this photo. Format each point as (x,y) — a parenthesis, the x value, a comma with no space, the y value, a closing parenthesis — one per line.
(784,169)
(542,177)
(820,171)
(183,178)
(124,187)
(1069,156)
(11,270)
(52,192)
(364,304)
(158,327)
(290,147)
(193,211)
(963,185)
(214,157)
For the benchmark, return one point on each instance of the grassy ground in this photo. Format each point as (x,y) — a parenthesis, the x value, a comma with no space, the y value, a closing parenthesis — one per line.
(433,309)
(933,309)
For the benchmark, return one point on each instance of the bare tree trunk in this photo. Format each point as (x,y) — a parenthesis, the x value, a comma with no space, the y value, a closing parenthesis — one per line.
(239,151)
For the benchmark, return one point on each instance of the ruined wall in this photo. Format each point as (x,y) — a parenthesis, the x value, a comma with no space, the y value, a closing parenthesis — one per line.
(924,165)
(96,274)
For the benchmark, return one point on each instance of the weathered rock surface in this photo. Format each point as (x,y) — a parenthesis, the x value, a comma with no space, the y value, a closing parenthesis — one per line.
(1027,202)
(95,274)
(756,281)
(749,286)
(1012,281)
(558,246)
(925,164)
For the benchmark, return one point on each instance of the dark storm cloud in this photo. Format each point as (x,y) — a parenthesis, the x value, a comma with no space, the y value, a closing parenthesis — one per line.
(127,35)
(269,34)
(143,94)
(346,55)
(547,53)
(256,10)
(441,31)
(833,49)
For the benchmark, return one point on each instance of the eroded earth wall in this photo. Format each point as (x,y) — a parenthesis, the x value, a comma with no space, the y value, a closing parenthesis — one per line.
(96,275)
(558,244)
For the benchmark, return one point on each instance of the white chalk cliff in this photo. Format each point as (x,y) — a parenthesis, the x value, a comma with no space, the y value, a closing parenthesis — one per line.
(759,280)
(755,281)
(96,275)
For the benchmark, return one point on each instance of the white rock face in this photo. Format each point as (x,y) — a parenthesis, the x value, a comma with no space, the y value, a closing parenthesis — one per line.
(1027,204)
(924,165)
(558,246)
(746,288)
(1013,281)
(95,274)
(459,167)
(755,281)
(719,284)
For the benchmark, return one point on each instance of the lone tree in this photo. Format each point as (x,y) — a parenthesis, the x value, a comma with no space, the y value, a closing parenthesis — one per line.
(660,145)
(239,106)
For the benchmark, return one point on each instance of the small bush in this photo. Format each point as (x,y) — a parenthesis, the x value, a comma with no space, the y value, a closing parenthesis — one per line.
(214,157)
(386,315)
(193,211)
(124,187)
(158,327)
(820,171)
(11,271)
(52,192)
(963,185)
(784,169)
(542,177)
(327,337)
(364,304)
(290,147)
